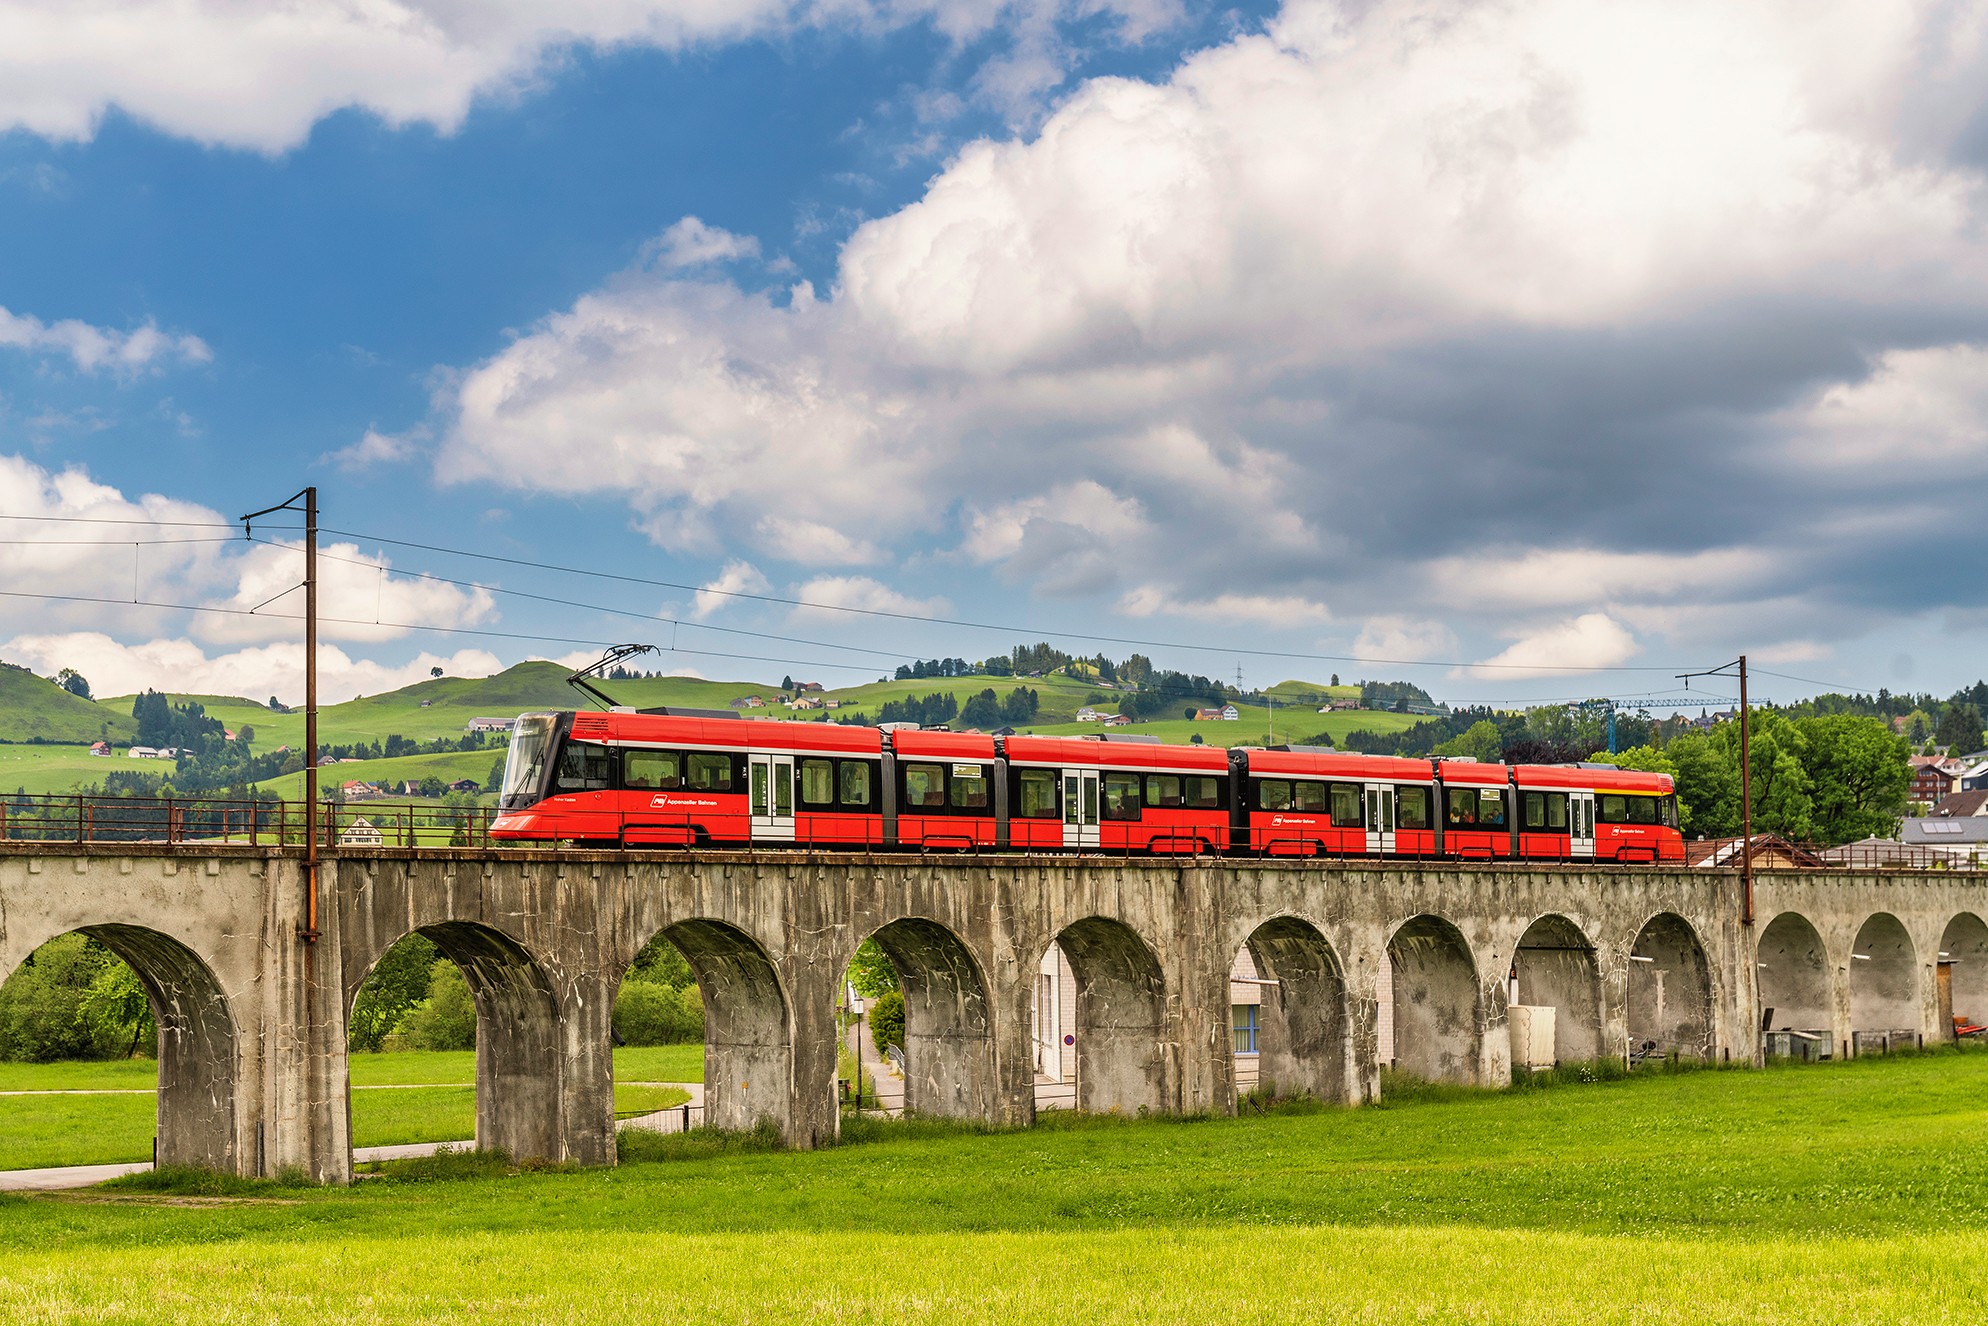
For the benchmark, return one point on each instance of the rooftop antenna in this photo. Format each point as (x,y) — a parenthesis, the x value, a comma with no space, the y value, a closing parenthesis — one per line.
(598,668)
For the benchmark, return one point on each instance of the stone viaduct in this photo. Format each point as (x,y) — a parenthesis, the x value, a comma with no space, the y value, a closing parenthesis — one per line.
(252,1021)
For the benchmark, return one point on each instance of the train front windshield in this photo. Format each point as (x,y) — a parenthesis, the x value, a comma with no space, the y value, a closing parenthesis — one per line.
(524,769)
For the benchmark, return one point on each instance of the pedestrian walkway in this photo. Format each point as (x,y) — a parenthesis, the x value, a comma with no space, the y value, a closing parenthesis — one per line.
(880,1077)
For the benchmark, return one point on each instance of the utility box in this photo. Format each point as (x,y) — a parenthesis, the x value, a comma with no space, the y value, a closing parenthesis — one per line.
(1532,1035)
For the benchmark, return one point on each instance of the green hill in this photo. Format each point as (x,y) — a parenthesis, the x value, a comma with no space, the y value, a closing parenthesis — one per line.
(35,709)
(443,706)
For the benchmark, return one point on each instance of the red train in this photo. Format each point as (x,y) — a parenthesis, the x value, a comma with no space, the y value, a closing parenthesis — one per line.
(625,779)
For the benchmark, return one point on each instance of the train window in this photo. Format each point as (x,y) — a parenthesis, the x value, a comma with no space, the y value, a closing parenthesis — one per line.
(1612,808)
(1347,810)
(1476,807)
(1163,790)
(1121,796)
(1642,810)
(583,766)
(924,786)
(1036,795)
(1411,807)
(1203,793)
(1273,794)
(817,782)
(1545,812)
(855,784)
(1667,811)
(711,773)
(652,770)
(1308,797)
(969,790)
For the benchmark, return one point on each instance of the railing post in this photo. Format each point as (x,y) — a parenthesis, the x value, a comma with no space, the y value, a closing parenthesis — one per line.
(81,803)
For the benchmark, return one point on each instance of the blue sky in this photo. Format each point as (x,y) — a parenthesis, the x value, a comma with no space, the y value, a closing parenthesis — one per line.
(1527,345)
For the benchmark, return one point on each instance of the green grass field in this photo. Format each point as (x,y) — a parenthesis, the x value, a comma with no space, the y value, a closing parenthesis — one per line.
(397,1098)
(44,769)
(1844,1193)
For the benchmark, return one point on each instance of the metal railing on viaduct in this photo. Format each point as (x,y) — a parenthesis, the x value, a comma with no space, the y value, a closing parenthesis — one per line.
(253,1072)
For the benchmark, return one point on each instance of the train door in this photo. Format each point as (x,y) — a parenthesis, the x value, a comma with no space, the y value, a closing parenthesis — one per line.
(1581,824)
(772,782)
(1380,818)
(1080,808)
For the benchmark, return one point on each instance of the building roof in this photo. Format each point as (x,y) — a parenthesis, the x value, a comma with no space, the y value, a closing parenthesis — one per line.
(1945,831)
(1769,850)
(1960,805)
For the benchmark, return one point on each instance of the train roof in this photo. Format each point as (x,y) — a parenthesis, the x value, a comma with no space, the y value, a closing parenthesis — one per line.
(910,743)
(1591,777)
(1115,754)
(751,734)
(1333,764)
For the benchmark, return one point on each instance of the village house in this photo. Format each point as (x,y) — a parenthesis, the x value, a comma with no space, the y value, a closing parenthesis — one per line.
(1962,805)
(361,832)
(1228,713)
(1089,715)
(490,725)
(1934,776)
(100,748)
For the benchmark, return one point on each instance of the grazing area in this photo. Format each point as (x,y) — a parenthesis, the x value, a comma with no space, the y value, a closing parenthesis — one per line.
(101,1113)
(1845,1192)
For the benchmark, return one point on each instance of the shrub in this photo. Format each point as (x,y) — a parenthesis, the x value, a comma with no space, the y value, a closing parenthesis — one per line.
(887,1021)
(398,982)
(71,1000)
(446,1019)
(646,1013)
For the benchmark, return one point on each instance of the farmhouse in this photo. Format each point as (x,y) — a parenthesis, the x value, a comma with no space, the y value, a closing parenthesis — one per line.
(490,725)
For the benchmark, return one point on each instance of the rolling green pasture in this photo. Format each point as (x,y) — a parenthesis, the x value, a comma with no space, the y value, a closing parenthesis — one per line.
(398,1098)
(44,769)
(450,702)
(1843,1193)
(447,766)
(1250,729)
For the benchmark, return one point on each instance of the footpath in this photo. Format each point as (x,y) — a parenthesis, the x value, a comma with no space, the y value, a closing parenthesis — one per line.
(82,1176)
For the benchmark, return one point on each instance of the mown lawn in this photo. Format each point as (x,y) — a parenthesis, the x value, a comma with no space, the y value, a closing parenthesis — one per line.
(397,1098)
(1844,1193)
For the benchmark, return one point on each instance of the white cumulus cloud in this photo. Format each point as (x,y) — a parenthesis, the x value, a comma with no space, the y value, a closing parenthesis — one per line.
(822,595)
(114,667)
(1592,640)
(255,75)
(92,348)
